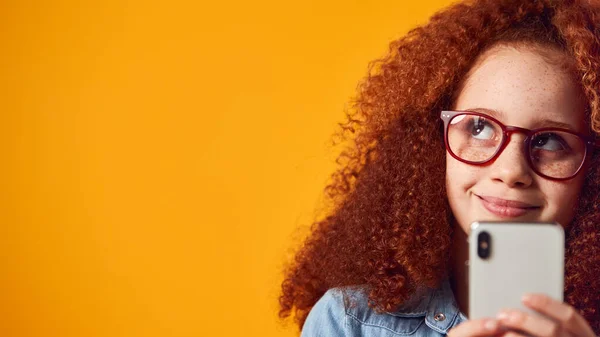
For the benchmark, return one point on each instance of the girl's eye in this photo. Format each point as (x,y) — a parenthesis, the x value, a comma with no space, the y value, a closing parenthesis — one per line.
(549,142)
(481,129)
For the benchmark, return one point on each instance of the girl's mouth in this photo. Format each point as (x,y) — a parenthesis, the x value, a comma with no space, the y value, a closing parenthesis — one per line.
(506,208)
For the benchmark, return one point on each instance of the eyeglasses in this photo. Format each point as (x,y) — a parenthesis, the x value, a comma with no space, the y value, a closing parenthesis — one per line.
(553,153)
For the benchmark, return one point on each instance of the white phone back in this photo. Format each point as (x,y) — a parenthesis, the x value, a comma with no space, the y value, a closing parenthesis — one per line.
(524,258)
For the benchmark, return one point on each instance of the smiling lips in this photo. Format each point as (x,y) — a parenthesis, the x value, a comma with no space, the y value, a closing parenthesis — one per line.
(506,208)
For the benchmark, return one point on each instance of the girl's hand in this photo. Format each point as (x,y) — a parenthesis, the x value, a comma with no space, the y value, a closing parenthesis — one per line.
(559,319)
(476,328)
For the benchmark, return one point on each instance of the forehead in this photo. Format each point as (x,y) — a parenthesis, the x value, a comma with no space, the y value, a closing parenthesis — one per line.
(525,86)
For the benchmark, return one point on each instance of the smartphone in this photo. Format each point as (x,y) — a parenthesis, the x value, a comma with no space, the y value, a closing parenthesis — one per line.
(510,259)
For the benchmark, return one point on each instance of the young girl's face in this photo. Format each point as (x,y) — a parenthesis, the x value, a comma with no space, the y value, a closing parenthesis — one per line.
(520,88)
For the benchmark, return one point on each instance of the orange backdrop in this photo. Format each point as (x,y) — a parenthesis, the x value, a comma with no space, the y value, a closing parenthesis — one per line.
(158,157)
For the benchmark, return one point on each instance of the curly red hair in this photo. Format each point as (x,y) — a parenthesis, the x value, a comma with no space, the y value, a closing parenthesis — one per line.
(390,228)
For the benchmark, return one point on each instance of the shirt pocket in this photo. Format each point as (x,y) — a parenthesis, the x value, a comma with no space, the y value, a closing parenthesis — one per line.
(384,325)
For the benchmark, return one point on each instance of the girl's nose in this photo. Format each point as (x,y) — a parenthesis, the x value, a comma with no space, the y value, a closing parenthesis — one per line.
(511,167)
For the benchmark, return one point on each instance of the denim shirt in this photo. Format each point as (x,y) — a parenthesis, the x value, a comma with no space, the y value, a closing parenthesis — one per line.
(431,312)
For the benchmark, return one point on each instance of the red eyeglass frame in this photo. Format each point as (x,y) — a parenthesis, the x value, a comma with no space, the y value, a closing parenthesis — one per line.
(507,130)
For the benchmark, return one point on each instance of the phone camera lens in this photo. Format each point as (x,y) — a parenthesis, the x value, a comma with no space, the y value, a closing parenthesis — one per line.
(484,244)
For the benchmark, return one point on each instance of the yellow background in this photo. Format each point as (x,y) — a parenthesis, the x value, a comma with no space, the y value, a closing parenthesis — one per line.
(159,159)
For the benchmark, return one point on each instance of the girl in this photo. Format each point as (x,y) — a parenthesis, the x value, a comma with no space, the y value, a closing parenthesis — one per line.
(390,258)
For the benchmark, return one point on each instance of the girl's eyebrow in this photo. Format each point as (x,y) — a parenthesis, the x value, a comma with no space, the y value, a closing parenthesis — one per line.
(554,124)
(541,123)
(494,113)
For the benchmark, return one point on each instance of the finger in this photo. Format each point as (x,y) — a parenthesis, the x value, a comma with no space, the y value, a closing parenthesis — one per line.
(513,334)
(568,316)
(531,324)
(476,328)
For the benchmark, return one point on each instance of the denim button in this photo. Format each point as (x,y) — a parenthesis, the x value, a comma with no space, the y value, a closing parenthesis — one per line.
(439,317)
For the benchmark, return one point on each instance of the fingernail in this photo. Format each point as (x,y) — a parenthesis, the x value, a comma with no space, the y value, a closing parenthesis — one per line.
(502,315)
(527,298)
(491,325)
